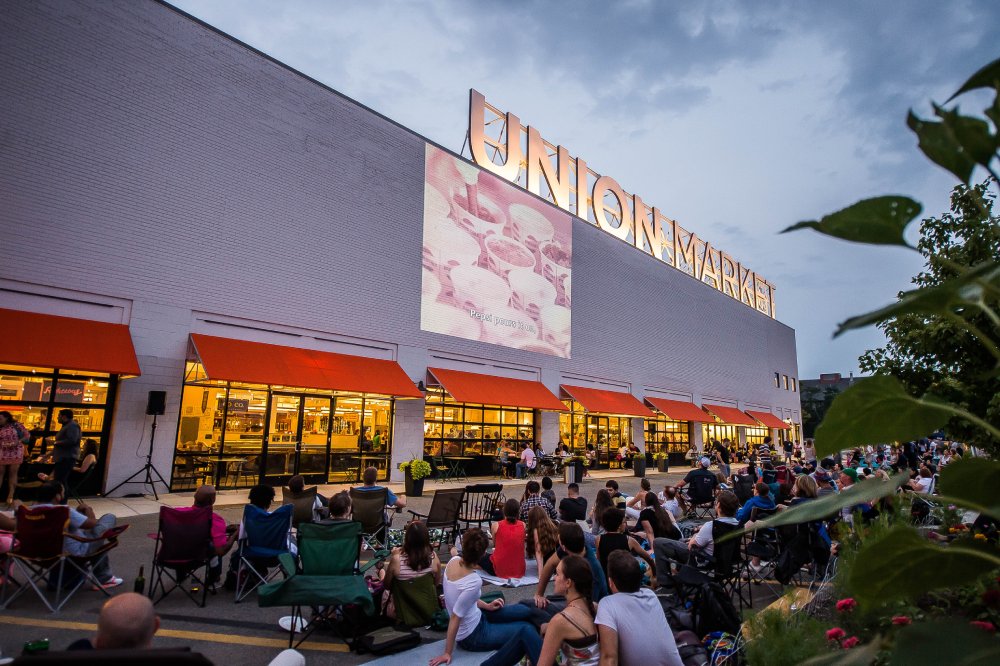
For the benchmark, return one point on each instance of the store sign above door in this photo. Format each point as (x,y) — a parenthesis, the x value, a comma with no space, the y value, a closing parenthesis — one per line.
(501,145)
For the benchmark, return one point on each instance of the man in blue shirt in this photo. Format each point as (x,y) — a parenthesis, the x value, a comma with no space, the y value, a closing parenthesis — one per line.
(761,500)
(370,475)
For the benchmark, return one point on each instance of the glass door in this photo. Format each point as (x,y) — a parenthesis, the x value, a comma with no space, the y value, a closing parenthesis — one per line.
(297,435)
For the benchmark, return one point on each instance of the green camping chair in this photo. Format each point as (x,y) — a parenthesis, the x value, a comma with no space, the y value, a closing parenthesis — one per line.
(328,574)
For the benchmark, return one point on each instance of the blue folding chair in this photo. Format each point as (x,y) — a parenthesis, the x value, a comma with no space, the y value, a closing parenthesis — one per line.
(265,538)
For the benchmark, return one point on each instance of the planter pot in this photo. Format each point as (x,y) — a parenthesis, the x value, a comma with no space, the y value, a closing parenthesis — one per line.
(414,487)
(662,465)
(639,466)
(577,471)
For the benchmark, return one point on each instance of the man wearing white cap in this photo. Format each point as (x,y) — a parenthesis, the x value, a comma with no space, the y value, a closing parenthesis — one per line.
(703,482)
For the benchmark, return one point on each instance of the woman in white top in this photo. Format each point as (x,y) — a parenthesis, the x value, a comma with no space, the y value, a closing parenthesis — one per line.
(478,626)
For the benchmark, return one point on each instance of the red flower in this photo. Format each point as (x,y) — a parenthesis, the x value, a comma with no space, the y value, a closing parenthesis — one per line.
(850,642)
(901,619)
(985,626)
(991,597)
(835,634)
(846,605)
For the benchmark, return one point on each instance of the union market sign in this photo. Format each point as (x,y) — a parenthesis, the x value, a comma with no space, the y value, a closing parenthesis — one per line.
(501,145)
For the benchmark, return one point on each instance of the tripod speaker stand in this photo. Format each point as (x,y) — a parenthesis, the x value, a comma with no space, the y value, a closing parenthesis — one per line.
(154,406)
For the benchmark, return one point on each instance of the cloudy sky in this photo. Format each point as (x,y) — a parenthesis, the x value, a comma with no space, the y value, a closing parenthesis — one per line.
(736,119)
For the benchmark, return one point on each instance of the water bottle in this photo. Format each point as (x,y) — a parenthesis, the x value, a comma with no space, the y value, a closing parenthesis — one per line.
(139,587)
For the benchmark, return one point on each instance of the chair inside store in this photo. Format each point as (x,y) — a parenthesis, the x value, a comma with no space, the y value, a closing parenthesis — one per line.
(443,514)
(265,539)
(368,507)
(326,575)
(39,555)
(481,504)
(183,547)
(188,474)
(303,504)
(240,473)
(344,469)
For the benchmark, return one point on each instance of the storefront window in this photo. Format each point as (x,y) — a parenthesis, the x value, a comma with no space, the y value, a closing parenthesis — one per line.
(605,433)
(236,435)
(719,432)
(665,435)
(460,429)
(755,436)
(34,397)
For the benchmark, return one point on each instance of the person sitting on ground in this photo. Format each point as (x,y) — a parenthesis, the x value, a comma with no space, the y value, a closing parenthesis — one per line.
(571,542)
(572,632)
(82,523)
(415,558)
(532,498)
(370,476)
(631,623)
(726,505)
(703,483)
(761,500)
(922,483)
(297,486)
(615,538)
(260,496)
(88,460)
(601,504)
(573,507)
(541,537)
(527,461)
(339,509)
(473,622)
(635,503)
(223,536)
(507,559)
(547,491)
(673,502)
(655,522)
(618,498)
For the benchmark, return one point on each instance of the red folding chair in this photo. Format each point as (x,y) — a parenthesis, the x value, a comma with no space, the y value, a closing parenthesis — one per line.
(183,546)
(39,554)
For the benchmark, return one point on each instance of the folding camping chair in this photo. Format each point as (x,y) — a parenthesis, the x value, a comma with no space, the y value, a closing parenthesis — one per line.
(39,554)
(328,574)
(480,504)
(303,503)
(701,497)
(443,514)
(265,537)
(368,507)
(183,545)
(725,566)
(765,544)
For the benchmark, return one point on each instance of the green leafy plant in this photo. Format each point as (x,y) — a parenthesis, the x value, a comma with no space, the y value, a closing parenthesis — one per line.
(940,368)
(783,640)
(418,468)
(659,456)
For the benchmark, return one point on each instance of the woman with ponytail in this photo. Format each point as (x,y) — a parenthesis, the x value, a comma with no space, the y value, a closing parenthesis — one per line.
(572,632)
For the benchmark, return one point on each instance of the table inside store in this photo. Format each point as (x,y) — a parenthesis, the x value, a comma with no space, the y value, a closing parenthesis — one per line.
(220,463)
(463,461)
(552,462)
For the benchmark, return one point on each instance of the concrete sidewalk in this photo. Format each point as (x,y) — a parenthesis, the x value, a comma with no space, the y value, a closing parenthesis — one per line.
(125,507)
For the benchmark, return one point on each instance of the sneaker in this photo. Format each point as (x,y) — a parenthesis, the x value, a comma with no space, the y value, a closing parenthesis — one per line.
(114,581)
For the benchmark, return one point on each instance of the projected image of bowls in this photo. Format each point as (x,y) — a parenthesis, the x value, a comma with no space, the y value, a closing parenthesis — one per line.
(531,292)
(506,254)
(529,226)
(487,218)
(555,321)
(479,289)
(450,320)
(446,244)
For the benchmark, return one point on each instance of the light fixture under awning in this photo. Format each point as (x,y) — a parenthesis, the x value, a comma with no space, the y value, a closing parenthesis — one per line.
(730,415)
(262,363)
(480,389)
(678,410)
(66,343)
(768,420)
(607,402)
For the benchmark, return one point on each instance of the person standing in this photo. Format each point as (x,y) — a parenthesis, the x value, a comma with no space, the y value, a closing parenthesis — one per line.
(66,448)
(788,447)
(13,437)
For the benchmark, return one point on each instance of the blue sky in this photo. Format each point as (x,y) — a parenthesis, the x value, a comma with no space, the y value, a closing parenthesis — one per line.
(736,119)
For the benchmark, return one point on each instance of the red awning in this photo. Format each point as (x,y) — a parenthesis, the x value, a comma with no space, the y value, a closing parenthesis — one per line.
(47,341)
(769,419)
(730,415)
(501,391)
(679,410)
(607,402)
(260,363)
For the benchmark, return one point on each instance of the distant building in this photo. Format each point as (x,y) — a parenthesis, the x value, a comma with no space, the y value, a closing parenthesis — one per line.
(818,394)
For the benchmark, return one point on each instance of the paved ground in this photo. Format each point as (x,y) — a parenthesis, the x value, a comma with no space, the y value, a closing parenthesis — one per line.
(224,631)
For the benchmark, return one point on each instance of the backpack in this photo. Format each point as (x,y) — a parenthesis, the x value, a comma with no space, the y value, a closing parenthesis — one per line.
(692,651)
(743,488)
(714,610)
(387,640)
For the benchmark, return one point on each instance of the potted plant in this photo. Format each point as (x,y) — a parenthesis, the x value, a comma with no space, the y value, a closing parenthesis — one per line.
(661,461)
(414,472)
